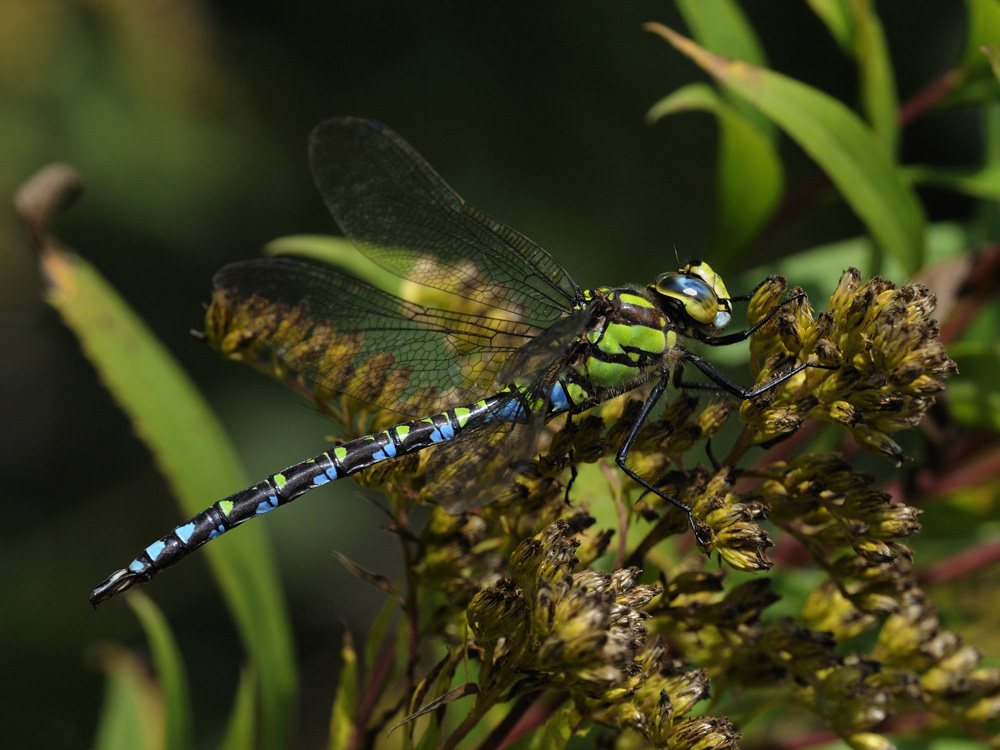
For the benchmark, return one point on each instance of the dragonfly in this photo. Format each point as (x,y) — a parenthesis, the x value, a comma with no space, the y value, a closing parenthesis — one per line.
(479,379)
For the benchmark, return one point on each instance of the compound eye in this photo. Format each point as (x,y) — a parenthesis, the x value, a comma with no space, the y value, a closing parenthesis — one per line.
(693,293)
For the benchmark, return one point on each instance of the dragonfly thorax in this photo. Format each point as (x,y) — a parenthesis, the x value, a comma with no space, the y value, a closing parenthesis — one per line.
(697,294)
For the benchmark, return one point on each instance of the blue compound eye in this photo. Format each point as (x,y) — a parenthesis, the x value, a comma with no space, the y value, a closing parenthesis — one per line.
(693,293)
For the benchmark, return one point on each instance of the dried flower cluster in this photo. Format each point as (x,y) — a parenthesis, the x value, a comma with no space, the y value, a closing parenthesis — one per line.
(582,631)
(882,345)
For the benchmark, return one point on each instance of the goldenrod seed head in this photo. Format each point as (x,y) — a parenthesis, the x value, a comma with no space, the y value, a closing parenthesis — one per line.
(869,741)
(496,611)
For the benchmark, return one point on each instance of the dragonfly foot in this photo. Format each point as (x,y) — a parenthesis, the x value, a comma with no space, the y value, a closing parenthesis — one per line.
(702,533)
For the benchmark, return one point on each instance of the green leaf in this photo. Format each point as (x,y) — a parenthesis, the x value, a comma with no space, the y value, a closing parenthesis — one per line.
(974,398)
(721,26)
(170,672)
(190,447)
(342,715)
(132,716)
(750,177)
(992,53)
(979,183)
(983,30)
(241,728)
(819,268)
(558,729)
(377,633)
(878,85)
(335,251)
(847,150)
(836,14)
(856,28)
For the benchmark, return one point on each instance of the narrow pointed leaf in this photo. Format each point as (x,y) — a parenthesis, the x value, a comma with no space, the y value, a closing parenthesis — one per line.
(878,84)
(377,633)
(979,183)
(342,715)
(189,445)
(857,30)
(558,729)
(721,26)
(836,15)
(241,728)
(373,579)
(335,251)
(170,672)
(462,691)
(750,178)
(856,162)
(132,715)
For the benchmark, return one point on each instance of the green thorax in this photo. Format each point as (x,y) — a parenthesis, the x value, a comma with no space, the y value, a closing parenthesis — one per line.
(628,337)
(634,331)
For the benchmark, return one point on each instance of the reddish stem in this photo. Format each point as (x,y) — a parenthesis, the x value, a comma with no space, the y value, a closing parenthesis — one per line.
(962,564)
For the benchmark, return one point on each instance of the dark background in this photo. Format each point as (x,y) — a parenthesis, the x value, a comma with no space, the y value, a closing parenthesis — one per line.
(187,122)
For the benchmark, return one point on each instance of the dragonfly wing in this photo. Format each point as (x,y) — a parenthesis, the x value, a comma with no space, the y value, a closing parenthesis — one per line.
(402,215)
(540,360)
(350,337)
(470,471)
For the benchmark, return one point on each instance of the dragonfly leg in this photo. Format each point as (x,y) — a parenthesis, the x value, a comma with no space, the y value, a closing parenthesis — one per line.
(738,336)
(749,295)
(723,383)
(573,473)
(622,457)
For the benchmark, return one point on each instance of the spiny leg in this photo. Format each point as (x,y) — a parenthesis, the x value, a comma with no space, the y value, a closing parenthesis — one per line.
(721,382)
(738,336)
(623,453)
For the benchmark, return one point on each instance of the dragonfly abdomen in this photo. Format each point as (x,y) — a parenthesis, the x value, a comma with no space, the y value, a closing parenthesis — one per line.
(287,485)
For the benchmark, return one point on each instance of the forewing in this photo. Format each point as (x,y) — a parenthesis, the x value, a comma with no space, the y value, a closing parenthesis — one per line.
(402,215)
(347,336)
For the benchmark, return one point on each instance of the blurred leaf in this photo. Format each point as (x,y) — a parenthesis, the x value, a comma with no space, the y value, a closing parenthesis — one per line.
(855,26)
(878,85)
(836,14)
(335,251)
(974,398)
(242,724)
(836,139)
(979,183)
(455,694)
(819,268)
(750,177)
(557,730)
(342,715)
(376,633)
(983,30)
(992,53)
(170,672)
(721,26)
(195,457)
(964,93)
(132,714)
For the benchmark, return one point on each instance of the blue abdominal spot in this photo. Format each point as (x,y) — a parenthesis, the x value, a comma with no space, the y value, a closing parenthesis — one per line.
(185,532)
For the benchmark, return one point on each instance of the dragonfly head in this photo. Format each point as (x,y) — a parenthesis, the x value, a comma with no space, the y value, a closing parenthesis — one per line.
(698,292)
